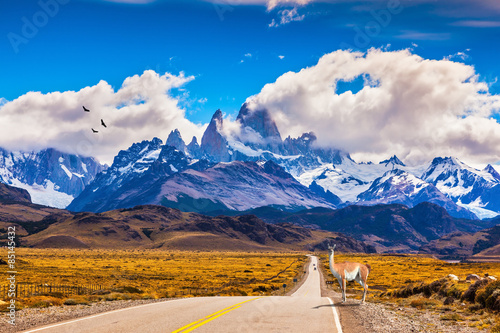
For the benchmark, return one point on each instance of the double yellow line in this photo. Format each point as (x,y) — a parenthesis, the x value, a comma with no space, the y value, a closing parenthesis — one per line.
(200,322)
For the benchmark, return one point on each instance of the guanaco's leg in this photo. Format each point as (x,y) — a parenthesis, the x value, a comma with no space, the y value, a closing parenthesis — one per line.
(343,290)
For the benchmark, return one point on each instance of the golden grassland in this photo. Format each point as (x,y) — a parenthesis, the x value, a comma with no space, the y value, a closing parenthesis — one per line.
(156,273)
(390,272)
(417,281)
(142,274)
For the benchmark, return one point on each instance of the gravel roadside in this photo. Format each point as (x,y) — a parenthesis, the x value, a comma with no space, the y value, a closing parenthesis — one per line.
(384,318)
(31,318)
(355,318)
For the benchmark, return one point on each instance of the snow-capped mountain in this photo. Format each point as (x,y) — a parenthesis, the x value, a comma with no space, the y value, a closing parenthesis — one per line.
(331,175)
(152,173)
(476,190)
(51,177)
(240,186)
(133,171)
(398,186)
(348,179)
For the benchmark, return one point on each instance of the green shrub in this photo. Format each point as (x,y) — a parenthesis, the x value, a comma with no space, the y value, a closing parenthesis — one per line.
(75,301)
(41,304)
(70,301)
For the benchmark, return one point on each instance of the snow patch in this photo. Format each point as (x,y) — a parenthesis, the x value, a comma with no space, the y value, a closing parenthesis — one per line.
(477,208)
(70,175)
(46,194)
(239,146)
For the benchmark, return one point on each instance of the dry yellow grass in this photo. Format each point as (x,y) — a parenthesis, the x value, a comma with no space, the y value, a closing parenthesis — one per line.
(390,272)
(158,273)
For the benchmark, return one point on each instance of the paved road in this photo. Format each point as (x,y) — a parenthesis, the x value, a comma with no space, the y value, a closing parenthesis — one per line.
(304,311)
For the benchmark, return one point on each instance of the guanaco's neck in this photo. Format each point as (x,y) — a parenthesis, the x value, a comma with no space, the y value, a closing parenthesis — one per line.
(331,259)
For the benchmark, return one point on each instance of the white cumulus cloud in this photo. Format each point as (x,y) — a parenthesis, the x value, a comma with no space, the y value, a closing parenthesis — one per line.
(287,16)
(142,108)
(413,107)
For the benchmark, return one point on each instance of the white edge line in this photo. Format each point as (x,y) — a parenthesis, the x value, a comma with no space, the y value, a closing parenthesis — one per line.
(98,315)
(335,316)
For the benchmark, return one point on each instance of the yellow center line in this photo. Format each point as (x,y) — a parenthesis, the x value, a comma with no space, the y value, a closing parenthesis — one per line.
(211,317)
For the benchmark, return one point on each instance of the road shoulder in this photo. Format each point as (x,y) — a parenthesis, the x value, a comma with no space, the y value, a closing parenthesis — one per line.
(385,318)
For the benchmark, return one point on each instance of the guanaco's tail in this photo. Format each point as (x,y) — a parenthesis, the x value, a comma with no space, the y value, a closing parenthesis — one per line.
(369,267)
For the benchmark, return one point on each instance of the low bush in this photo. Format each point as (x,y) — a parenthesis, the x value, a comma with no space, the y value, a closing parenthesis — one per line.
(424,303)
(452,317)
(70,301)
(76,301)
(470,294)
(489,296)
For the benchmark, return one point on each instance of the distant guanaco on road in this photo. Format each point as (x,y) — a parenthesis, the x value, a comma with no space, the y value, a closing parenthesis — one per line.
(303,311)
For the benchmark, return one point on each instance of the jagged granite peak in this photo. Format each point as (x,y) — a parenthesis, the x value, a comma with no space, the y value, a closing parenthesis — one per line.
(133,184)
(213,144)
(260,121)
(175,180)
(53,178)
(175,140)
(300,145)
(311,155)
(394,160)
(137,157)
(193,144)
(194,149)
(169,161)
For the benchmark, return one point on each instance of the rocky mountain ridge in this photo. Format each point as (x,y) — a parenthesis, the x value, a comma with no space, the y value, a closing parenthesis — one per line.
(328,172)
(51,177)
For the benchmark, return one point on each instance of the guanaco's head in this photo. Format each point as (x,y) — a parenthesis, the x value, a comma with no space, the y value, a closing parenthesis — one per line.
(331,248)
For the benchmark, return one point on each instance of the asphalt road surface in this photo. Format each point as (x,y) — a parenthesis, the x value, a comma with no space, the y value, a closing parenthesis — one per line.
(303,311)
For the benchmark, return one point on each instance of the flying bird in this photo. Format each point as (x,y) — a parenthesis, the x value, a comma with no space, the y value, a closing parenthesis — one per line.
(85,109)
(93,130)
(103,124)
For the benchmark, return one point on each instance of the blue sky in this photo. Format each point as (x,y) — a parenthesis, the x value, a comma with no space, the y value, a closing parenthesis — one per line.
(229,49)
(88,41)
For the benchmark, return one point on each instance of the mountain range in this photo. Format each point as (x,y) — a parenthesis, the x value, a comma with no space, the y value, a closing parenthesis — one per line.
(251,166)
(154,227)
(246,165)
(368,229)
(386,227)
